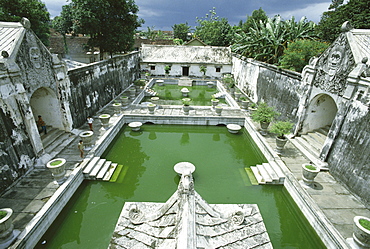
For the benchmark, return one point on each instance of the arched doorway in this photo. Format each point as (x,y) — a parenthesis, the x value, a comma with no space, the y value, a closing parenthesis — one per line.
(320,113)
(44,102)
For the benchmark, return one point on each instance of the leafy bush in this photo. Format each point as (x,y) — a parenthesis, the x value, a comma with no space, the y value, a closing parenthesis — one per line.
(281,128)
(2,214)
(264,113)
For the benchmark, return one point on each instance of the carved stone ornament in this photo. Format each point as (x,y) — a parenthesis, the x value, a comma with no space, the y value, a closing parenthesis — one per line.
(35,56)
(334,66)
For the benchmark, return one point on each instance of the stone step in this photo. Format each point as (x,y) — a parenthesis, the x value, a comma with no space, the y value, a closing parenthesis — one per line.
(103,170)
(313,141)
(89,167)
(266,177)
(94,172)
(257,175)
(278,171)
(324,130)
(303,143)
(271,172)
(56,142)
(110,172)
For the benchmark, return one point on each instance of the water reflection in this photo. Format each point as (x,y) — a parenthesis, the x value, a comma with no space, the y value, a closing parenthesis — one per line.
(185,138)
(152,135)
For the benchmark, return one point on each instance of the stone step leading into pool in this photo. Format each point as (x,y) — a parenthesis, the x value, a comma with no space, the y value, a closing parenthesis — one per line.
(97,168)
(268,173)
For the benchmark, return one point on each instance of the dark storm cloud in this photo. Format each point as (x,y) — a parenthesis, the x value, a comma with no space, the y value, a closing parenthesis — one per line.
(163,14)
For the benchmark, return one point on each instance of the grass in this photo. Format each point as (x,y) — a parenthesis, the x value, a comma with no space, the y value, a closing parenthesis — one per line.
(310,167)
(55,163)
(365,223)
(3,214)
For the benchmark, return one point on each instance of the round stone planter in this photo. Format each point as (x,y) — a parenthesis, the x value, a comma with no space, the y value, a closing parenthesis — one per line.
(233,128)
(104,119)
(6,228)
(154,100)
(135,126)
(86,138)
(57,168)
(264,126)
(211,84)
(151,108)
(124,100)
(186,109)
(185,92)
(117,108)
(280,143)
(237,95)
(361,235)
(215,102)
(309,172)
(218,110)
(132,91)
(245,104)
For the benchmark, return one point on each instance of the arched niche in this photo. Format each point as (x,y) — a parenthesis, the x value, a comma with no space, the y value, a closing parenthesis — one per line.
(320,113)
(44,102)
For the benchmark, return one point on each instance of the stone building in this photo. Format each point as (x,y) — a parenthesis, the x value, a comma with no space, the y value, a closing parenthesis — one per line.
(186,60)
(34,82)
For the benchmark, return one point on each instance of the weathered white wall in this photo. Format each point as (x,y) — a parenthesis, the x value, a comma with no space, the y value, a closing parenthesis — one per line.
(321,112)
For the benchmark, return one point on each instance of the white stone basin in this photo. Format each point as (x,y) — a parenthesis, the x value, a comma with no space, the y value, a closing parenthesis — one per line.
(184,167)
(135,126)
(233,128)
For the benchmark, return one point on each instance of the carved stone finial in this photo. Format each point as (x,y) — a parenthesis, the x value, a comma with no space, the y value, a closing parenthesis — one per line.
(364,60)
(26,23)
(346,26)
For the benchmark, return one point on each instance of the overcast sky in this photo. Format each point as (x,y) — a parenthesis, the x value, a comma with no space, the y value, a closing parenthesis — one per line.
(163,14)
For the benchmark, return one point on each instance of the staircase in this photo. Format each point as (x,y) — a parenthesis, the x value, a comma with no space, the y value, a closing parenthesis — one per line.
(56,140)
(268,173)
(96,168)
(311,143)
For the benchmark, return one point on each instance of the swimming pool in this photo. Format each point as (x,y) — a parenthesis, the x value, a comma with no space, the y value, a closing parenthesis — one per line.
(88,220)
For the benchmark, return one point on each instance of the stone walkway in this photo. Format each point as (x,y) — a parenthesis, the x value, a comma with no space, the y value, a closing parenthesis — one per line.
(31,192)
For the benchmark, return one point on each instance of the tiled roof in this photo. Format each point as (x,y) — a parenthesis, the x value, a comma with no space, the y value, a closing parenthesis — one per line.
(186,54)
(10,33)
(359,41)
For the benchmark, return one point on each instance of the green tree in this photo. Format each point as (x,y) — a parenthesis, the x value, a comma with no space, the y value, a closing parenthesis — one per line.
(298,53)
(266,41)
(181,31)
(111,24)
(214,31)
(357,12)
(257,16)
(64,23)
(33,10)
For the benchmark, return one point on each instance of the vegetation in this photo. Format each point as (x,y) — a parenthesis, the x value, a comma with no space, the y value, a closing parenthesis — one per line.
(3,214)
(181,31)
(186,101)
(213,30)
(310,167)
(110,24)
(365,223)
(229,80)
(281,128)
(243,98)
(357,12)
(34,10)
(266,40)
(56,162)
(298,53)
(264,113)
(139,82)
(203,69)
(167,69)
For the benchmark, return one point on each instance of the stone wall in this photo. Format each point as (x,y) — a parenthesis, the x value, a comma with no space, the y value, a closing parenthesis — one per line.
(349,157)
(267,83)
(95,85)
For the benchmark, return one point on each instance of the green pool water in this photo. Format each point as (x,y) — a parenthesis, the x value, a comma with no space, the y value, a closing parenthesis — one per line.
(89,218)
(170,94)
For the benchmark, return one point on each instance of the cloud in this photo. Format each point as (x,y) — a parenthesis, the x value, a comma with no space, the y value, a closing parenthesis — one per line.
(313,12)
